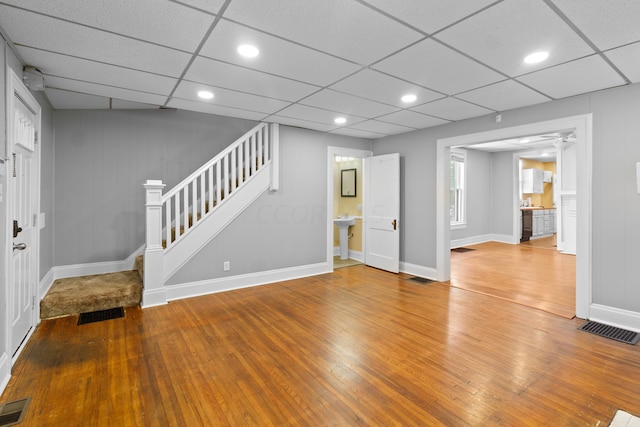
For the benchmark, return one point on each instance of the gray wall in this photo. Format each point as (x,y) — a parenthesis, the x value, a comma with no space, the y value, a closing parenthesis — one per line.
(102,158)
(502,201)
(616,204)
(283,229)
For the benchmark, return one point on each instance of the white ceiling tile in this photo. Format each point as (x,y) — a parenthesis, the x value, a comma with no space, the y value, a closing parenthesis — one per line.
(346,29)
(581,76)
(504,96)
(504,34)
(430,15)
(229,98)
(211,6)
(381,127)
(607,24)
(106,91)
(319,115)
(96,72)
(162,22)
(348,104)
(371,84)
(627,59)
(437,67)
(64,100)
(277,56)
(203,107)
(358,133)
(51,34)
(412,119)
(219,74)
(452,109)
(289,121)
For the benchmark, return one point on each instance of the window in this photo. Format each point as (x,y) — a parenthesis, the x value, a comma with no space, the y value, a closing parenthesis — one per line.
(457,194)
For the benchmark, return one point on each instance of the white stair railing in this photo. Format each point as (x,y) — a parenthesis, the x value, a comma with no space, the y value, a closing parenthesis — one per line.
(176,213)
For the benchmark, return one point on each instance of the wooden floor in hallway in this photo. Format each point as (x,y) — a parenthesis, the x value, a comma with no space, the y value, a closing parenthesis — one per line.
(534,274)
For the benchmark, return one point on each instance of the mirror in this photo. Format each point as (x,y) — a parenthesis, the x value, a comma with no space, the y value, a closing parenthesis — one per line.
(348,188)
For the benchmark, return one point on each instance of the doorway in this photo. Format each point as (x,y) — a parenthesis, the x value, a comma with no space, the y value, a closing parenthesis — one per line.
(341,159)
(581,126)
(23,201)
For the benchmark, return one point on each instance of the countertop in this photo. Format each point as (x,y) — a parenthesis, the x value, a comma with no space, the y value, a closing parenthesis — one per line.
(534,208)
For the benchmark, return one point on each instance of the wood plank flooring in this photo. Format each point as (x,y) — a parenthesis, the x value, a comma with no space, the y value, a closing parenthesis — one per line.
(354,347)
(531,274)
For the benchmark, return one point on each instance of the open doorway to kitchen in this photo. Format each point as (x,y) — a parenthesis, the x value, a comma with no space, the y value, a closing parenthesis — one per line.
(345,203)
(581,127)
(524,265)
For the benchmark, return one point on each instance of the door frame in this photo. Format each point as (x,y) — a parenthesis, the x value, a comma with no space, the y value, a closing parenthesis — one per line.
(15,87)
(582,125)
(331,153)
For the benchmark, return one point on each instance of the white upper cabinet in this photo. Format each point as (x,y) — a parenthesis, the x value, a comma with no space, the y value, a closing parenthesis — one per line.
(532,180)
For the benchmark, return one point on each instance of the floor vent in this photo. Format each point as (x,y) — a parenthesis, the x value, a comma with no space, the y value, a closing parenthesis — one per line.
(420,280)
(11,413)
(100,315)
(611,332)
(462,250)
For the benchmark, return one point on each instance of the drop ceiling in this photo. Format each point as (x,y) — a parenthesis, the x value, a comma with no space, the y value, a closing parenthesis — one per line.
(320,59)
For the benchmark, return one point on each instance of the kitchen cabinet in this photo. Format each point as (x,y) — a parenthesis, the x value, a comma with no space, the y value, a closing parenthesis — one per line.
(548,176)
(532,181)
(537,223)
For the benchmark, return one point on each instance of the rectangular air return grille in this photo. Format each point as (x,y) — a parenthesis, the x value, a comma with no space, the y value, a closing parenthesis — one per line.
(11,413)
(611,332)
(100,315)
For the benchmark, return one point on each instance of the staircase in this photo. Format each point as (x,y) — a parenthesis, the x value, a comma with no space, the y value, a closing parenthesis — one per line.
(208,200)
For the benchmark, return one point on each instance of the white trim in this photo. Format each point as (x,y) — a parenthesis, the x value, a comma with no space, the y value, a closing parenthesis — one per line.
(418,270)
(355,255)
(331,153)
(583,128)
(5,371)
(223,284)
(484,238)
(613,316)
(76,270)
(473,240)
(154,297)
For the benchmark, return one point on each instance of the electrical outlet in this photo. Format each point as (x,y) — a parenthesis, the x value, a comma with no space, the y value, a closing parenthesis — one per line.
(227,265)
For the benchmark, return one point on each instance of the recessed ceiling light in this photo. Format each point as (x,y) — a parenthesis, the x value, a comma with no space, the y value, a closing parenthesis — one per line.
(205,94)
(248,51)
(545,154)
(409,98)
(340,120)
(525,141)
(536,57)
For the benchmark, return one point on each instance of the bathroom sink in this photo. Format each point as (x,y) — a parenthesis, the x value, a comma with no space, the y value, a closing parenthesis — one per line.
(344,222)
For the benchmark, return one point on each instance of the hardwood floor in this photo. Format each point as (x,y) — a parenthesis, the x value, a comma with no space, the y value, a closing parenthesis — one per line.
(355,347)
(533,274)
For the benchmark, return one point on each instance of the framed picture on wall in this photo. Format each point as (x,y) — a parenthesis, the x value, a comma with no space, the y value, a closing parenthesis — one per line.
(348,184)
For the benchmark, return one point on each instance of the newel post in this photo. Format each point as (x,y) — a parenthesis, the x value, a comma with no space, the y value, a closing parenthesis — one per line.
(154,293)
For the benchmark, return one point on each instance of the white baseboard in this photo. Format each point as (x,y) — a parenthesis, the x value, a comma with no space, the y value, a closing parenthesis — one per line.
(64,271)
(355,255)
(505,238)
(154,298)
(419,270)
(484,238)
(617,317)
(205,287)
(473,240)
(5,371)
(45,283)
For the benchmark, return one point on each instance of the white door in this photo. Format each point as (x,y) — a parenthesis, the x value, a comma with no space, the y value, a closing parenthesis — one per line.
(382,212)
(567,208)
(23,205)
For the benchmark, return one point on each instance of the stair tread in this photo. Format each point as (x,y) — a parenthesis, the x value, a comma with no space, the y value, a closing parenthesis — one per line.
(75,295)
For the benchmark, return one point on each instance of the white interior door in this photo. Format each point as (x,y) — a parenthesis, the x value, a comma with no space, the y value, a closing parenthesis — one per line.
(382,212)
(23,206)
(567,206)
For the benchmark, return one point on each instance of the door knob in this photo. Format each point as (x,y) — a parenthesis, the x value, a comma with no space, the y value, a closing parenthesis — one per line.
(20,246)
